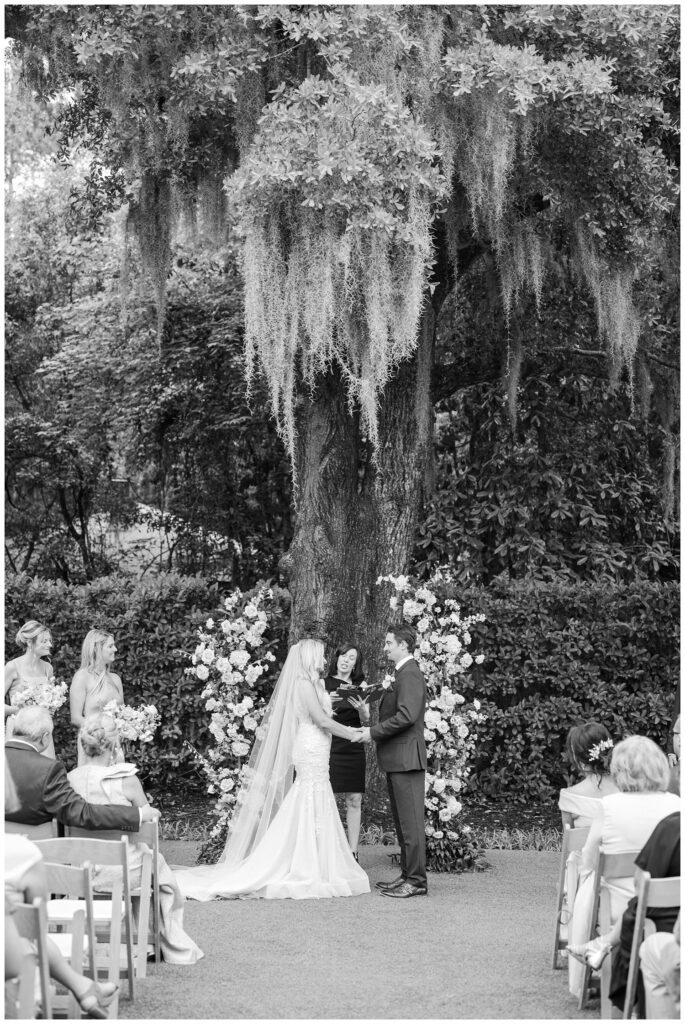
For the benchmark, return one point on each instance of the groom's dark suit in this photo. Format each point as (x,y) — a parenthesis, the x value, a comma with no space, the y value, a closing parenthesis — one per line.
(44,792)
(401,749)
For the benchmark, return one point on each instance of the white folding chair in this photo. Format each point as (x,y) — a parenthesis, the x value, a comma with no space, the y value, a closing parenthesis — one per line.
(658,893)
(46,830)
(32,924)
(608,867)
(76,935)
(573,840)
(148,919)
(20,992)
(108,914)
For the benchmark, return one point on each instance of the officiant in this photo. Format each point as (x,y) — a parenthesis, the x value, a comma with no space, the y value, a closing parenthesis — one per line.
(348,760)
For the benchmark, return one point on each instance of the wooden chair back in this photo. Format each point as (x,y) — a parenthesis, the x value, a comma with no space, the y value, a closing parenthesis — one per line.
(32,924)
(103,853)
(657,893)
(74,883)
(573,839)
(148,833)
(46,830)
(609,866)
(20,992)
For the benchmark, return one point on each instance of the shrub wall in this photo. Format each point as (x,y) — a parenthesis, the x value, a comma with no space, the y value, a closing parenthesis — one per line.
(555,654)
(558,654)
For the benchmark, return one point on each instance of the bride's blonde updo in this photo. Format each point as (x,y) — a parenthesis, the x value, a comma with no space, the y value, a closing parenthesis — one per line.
(312,659)
(98,735)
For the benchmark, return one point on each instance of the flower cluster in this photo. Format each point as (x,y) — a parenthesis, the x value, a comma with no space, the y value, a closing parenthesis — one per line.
(449,726)
(49,694)
(232,656)
(133,724)
(594,753)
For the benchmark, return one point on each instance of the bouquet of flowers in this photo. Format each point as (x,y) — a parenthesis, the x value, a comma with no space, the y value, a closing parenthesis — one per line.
(133,723)
(49,694)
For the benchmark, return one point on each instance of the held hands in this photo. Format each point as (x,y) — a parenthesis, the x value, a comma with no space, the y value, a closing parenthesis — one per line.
(361,736)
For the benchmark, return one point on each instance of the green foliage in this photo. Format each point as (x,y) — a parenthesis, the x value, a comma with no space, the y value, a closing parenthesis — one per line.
(153,621)
(559,654)
(571,494)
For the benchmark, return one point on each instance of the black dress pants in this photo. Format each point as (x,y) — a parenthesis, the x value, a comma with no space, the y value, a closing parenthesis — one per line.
(407,796)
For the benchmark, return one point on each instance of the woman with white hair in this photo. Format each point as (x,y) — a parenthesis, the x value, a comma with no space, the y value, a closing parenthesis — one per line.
(29,668)
(625,822)
(286,840)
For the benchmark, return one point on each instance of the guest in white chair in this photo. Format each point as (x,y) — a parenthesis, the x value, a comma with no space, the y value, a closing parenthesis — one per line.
(101,779)
(626,821)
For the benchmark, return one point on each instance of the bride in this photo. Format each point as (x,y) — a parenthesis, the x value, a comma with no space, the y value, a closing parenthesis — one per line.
(286,840)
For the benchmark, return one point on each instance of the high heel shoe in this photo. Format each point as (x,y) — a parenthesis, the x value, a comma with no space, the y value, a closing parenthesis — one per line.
(592,953)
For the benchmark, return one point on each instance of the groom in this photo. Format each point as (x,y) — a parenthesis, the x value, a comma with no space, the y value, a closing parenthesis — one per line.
(401,750)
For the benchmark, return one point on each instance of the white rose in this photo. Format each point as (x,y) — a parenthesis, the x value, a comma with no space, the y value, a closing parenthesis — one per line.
(239,748)
(249,722)
(480,658)
(226,626)
(443,727)
(438,835)
(439,785)
(432,718)
(222,664)
(462,732)
(429,830)
(422,625)
(250,611)
(269,656)
(227,785)
(202,672)
(466,660)
(425,647)
(445,814)
(476,703)
(400,583)
(454,806)
(239,658)
(387,681)
(211,704)
(209,624)
(428,735)
(208,656)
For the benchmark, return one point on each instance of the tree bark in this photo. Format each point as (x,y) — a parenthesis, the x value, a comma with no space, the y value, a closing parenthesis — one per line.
(356,511)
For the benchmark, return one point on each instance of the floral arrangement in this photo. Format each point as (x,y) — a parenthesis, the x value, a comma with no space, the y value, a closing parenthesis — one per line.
(594,753)
(450,722)
(49,694)
(133,724)
(235,655)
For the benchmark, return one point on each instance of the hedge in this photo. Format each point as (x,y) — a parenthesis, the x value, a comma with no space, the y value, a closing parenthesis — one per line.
(558,654)
(555,654)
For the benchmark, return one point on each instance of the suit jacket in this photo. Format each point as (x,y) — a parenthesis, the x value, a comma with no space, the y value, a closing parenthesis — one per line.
(401,746)
(44,793)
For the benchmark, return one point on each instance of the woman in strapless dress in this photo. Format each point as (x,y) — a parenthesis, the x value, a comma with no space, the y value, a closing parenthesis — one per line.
(30,667)
(94,684)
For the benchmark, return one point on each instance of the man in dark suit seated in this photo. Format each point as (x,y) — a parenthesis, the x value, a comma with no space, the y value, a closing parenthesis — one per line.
(43,790)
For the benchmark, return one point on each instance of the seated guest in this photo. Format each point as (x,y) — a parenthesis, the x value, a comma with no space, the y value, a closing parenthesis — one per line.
(101,780)
(43,790)
(24,881)
(625,822)
(588,751)
(660,856)
(660,966)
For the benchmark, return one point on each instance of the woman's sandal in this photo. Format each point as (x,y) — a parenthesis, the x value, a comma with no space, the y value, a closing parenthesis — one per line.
(95,1000)
(592,953)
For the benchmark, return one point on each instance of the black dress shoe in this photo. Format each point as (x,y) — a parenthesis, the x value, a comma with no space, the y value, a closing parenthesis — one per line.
(391,885)
(405,891)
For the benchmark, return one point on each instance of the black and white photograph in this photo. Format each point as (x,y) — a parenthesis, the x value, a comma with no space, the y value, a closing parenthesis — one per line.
(342,497)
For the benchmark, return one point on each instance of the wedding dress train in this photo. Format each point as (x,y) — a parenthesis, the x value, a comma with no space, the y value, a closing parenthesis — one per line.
(304,853)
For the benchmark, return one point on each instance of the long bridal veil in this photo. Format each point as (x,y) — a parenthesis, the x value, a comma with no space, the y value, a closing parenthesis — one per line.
(268,774)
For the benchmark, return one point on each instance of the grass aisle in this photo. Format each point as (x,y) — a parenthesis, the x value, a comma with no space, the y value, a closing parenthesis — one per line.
(477,947)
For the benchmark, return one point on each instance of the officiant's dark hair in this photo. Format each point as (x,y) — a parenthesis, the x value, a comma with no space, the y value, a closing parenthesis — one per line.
(403,631)
(357,673)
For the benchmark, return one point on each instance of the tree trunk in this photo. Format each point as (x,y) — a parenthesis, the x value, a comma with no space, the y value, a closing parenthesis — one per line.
(356,514)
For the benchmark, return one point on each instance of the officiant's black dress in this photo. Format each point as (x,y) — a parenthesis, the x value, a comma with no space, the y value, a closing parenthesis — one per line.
(347,765)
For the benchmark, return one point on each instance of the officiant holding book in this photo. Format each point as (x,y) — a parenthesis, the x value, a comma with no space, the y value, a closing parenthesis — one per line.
(348,760)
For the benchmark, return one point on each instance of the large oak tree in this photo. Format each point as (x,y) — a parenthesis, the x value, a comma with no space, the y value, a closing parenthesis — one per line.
(369,158)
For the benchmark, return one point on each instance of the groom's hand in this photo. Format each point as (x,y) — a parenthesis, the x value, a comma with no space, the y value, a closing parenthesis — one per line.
(365,735)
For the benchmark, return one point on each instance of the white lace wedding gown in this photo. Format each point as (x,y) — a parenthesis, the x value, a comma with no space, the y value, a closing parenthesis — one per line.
(304,854)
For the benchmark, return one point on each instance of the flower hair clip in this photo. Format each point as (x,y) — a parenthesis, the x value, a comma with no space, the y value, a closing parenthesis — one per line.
(594,753)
